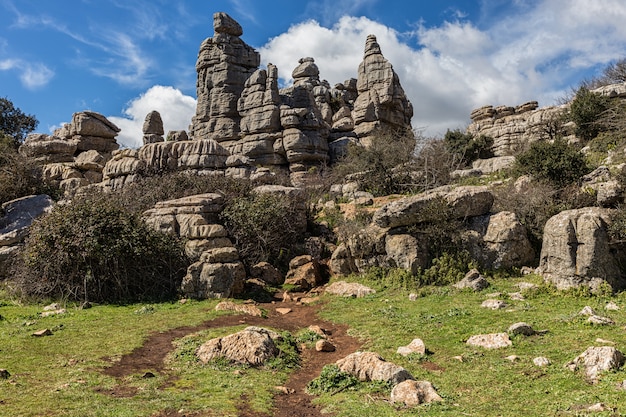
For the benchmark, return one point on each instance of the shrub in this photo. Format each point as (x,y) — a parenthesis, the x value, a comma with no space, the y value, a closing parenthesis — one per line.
(468,147)
(447,269)
(264,227)
(91,249)
(331,379)
(555,162)
(586,111)
(20,176)
(381,164)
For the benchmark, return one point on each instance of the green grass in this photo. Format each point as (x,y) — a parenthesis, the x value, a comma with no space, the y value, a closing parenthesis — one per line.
(484,383)
(61,375)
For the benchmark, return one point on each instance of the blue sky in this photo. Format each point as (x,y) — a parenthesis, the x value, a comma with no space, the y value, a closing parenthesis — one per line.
(124,58)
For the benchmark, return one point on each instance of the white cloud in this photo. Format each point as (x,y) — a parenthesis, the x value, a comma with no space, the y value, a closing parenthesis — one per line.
(32,75)
(536,53)
(176,111)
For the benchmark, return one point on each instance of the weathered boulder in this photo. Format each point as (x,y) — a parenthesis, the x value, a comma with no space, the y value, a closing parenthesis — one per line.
(304,273)
(267,273)
(341,262)
(415,347)
(370,366)
(472,280)
(490,341)
(349,289)
(153,128)
(381,102)
(19,214)
(413,393)
(576,250)
(405,251)
(501,241)
(48,149)
(521,328)
(595,360)
(465,201)
(218,274)
(251,346)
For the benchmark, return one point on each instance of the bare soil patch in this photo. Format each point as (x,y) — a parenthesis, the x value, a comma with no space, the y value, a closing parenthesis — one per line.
(150,357)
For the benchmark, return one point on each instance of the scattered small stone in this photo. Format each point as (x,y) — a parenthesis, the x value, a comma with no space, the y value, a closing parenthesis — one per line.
(309,300)
(597,407)
(412,393)
(283,311)
(324,345)
(317,329)
(521,328)
(349,289)
(494,304)
(51,307)
(183,301)
(286,297)
(41,333)
(490,341)
(526,270)
(148,375)
(516,296)
(541,361)
(604,341)
(525,286)
(494,295)
(611,306)
(587,311)
(249,309)
(621,385)
(4,374)
(416,346)
(512,358)
(599,320)
(53,312)
(413,297)
(473,280)
(458,358)
(238,372)
(284,390)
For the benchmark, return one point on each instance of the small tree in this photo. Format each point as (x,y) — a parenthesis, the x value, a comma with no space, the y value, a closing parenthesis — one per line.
(468,147)
(586,110)
(14,122)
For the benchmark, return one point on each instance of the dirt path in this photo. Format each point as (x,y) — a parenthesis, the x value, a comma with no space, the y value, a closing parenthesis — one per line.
(150,357)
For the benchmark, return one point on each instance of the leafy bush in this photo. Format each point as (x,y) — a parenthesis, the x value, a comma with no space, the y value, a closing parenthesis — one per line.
(468,147)
(91,249)
(447,269)
(264,227)
(586,111)
(438,228)
(331,379)
(555,162)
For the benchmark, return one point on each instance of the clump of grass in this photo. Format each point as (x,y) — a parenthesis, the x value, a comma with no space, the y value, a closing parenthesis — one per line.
(331,380)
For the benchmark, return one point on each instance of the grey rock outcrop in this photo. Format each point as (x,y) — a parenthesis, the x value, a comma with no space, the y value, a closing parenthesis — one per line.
(217,271)
(576,250)
(370,366)
(224,64)
(153,128)
(381,102)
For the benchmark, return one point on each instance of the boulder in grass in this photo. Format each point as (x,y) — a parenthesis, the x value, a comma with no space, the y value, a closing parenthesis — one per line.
(251,346)
(490,341)
(413,393)
(595,360)
(370,366)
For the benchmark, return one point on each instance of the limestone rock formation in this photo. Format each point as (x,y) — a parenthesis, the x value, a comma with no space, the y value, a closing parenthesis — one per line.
(576,250)
(224,64)
(381,102)
(153,128)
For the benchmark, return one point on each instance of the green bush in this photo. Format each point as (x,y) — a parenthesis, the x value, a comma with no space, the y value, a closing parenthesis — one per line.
(265,227)
(555,162)
(331,379)
(586,110)
(91,249)
(468,147)
(447,269)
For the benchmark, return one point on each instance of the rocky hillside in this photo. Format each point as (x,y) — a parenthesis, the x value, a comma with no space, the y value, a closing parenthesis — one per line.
(248,129)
